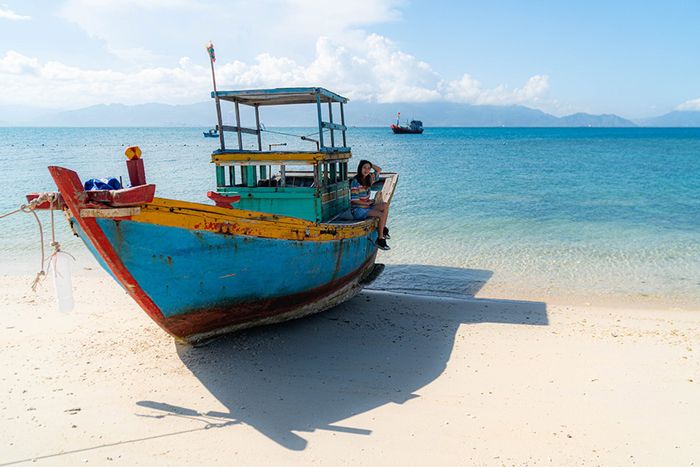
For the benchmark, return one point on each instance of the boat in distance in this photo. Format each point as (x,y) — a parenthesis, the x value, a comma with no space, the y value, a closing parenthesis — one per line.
(414,127)
(211,133)
(272,246)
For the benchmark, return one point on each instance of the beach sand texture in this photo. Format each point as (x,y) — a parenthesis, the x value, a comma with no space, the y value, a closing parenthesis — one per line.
(384,379)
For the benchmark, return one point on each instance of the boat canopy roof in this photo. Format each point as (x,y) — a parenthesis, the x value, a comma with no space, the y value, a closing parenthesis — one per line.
(325,144)
(280,96)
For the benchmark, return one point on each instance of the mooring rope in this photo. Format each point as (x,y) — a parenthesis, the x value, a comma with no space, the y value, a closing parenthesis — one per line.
(30,208)
(12,212)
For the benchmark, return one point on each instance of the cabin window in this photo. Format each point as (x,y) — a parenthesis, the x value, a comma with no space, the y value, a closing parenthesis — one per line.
(291,176)
(231,176)
(225,176)
(249,176)
(243,176)
(269,176)
(334,172)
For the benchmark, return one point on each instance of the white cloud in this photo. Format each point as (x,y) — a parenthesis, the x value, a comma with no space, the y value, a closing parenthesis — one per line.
(6,13)
(141,32)
(533,90)
(55,84)
(314,44)
(469,90)
(371,68)
(693,104)
(397,75)
(290,28)
(14,63)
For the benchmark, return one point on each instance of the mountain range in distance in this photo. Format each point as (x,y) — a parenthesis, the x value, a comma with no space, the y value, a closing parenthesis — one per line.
(358,113)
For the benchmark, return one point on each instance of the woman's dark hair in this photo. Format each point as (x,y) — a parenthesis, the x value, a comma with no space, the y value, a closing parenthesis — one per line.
(364,181)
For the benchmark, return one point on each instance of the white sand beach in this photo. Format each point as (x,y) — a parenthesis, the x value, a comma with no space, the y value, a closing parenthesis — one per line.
(385,379)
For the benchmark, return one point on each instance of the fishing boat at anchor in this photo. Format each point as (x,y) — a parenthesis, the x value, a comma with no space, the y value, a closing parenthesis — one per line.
(271,246)
(415,127)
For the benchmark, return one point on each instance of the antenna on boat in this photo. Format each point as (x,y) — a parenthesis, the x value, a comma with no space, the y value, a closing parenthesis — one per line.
(212,58)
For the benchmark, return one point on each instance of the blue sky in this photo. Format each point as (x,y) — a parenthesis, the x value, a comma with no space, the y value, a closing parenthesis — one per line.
(635,59)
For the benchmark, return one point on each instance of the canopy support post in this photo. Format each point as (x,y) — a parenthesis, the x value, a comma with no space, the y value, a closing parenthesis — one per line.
(238,125)
(342,122)
(320,120)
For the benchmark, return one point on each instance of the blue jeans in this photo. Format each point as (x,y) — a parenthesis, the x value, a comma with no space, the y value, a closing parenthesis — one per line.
(360,214)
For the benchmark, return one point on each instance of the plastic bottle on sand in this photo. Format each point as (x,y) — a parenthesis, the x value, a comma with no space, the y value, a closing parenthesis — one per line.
(62,281)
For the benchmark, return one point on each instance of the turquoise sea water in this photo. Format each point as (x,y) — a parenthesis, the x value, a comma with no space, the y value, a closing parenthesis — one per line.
(594,214)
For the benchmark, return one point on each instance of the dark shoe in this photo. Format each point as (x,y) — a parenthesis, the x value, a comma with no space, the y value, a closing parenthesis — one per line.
(381,244)
(386,233)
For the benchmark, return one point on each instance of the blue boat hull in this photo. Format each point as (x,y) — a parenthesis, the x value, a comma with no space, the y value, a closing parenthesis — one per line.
(206,283)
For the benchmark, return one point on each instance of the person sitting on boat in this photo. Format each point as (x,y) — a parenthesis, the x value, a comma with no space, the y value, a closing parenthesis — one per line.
(362,206)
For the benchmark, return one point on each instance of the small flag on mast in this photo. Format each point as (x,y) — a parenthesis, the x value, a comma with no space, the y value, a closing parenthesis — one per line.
(210,50)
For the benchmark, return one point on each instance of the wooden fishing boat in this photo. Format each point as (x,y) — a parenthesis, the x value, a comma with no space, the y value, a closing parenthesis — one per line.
(270,248)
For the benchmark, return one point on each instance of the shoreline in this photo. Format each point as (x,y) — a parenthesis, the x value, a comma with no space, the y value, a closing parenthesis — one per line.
(491,381)
(465,284)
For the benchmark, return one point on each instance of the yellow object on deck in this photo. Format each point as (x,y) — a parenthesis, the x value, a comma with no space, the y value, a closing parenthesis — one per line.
(133,152)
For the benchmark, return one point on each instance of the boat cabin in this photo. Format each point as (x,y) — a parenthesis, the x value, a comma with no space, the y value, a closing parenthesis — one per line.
(308,184)
(415,125)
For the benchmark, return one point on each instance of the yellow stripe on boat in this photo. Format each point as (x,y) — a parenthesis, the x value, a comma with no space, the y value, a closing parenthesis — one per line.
(298,157)
(195,216)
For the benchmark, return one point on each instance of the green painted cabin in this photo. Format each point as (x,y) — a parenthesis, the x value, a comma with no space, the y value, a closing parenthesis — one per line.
(311,185)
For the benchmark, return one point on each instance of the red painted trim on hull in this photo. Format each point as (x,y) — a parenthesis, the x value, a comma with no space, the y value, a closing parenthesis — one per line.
(71,189)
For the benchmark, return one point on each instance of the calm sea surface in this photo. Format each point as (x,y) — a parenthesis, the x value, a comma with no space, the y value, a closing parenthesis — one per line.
(595,214)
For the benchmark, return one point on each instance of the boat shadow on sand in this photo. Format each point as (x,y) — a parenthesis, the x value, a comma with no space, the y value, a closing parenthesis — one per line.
(377,348)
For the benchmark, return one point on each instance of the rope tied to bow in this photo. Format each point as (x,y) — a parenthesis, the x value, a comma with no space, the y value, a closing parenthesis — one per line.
(30,208)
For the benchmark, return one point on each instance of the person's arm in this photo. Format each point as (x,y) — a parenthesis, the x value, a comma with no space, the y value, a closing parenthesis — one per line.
(377,171)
